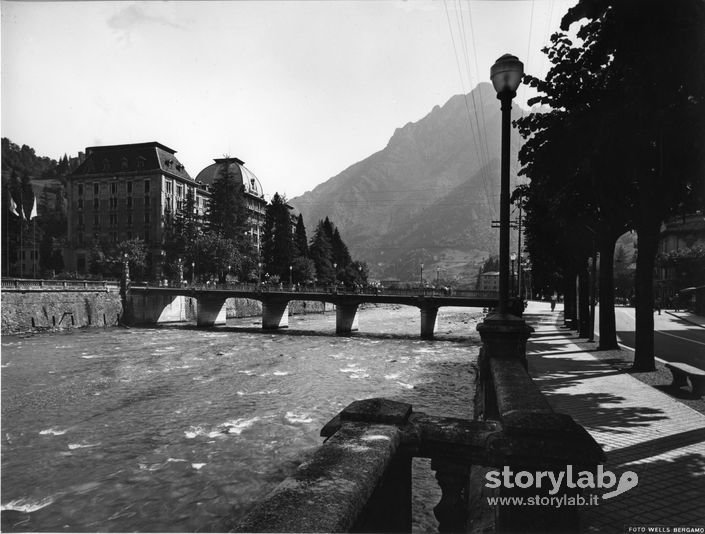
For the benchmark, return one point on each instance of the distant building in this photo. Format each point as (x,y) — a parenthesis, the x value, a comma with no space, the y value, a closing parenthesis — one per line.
(489,281)
(681,262)
(122,192)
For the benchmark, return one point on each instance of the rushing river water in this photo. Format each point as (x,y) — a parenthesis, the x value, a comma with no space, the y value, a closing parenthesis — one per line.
(181,429)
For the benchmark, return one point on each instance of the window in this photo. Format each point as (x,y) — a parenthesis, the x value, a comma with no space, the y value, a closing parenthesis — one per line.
(146,186)
(96,203)
(96,189)
(129,235)
(96,220)
(80,239)
(114,237)
(168,187)
(80,203)
(140,162)
(113,219)
(179,190)
(113,188)
(106,165)
(123,164)
(129,219)
(146,235)
(113,203)
(146,217)
(129,202)
(80,190)
(129,187)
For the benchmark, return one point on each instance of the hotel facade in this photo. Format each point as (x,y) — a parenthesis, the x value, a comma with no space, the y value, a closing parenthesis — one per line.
(123,192)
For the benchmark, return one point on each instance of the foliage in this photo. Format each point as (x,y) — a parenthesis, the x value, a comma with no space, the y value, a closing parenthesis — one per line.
(227,212)
(215,256)
(107,259)
(622,144)
(277,239)
(300,239)
(321,252)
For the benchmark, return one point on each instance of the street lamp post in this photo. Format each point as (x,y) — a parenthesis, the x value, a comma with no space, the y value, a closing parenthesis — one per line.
(193,272)
(180,269)
(259,272)
(290,274)
(438,276)
(506,76)
(421,276)
(512,257)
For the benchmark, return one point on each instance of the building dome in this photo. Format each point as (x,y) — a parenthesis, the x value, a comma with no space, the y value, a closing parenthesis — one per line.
(237,168)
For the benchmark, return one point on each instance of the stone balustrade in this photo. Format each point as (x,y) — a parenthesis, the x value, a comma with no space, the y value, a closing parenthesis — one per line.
(58,285)
(359,480)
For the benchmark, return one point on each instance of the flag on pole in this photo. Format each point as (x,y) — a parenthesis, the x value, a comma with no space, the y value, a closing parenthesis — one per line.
(34,212)
(13,208)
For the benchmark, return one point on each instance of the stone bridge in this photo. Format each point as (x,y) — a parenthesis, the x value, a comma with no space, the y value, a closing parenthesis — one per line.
(211,300)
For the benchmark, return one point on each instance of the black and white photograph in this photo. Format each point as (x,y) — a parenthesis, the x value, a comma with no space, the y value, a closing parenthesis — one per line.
(352,266)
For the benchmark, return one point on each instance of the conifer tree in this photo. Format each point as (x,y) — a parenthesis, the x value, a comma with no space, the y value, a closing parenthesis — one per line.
(277,241)
(300,239)
(321,252)
(227,212)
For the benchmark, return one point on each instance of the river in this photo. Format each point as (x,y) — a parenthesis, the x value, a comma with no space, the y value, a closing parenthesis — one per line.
(180,429)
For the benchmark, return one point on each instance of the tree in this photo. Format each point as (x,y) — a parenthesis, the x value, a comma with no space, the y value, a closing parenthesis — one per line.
(577,194)
(227,211)
(654,52)
(321,251)
(341,254)
(300,239)
(181,232)
(277,240)
(216,256)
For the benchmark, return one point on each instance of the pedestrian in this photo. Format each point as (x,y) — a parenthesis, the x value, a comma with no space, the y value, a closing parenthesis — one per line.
(657,304)
(554,299)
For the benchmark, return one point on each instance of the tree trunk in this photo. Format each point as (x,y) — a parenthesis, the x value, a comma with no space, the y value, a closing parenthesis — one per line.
(608,328)
(644,293)
(569,310)
(584,301)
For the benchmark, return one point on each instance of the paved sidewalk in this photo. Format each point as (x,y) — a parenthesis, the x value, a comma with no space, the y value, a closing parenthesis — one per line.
(688,317)
(640,428)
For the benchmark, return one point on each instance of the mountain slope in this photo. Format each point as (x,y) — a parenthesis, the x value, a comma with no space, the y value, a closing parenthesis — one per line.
(428,196)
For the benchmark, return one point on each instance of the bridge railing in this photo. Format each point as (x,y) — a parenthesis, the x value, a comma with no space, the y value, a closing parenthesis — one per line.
(17,284)
(326,289)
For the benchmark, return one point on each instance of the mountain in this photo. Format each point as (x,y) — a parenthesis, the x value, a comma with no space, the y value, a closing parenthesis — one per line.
(428,197)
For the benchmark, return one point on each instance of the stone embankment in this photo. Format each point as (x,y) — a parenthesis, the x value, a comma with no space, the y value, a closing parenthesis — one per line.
(36,310)
(35,305)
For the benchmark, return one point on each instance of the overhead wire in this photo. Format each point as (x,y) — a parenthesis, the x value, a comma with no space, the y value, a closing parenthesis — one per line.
(473,118)
(482,103)
(475,136)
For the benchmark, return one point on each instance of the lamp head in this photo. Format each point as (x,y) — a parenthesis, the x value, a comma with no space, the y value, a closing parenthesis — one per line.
(513,256)
(506,74)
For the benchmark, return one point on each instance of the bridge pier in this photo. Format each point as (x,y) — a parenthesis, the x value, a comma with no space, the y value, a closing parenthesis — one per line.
(275,314)
(429,316)
(346,318)
(211,310)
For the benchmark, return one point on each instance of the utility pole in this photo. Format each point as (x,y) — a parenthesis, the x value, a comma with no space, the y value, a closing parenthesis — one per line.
(519,257)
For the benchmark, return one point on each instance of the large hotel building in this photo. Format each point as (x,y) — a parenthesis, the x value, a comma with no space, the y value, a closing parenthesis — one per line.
(122,192)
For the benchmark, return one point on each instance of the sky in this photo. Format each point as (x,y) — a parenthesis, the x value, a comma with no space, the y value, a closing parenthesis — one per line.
(297,89)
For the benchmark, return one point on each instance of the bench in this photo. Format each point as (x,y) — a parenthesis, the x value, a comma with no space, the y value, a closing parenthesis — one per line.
(682,372)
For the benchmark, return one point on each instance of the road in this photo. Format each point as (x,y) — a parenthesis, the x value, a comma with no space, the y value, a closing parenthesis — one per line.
(675,340)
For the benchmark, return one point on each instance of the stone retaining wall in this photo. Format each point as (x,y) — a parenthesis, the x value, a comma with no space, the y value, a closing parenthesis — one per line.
(25,311)
(45,310)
